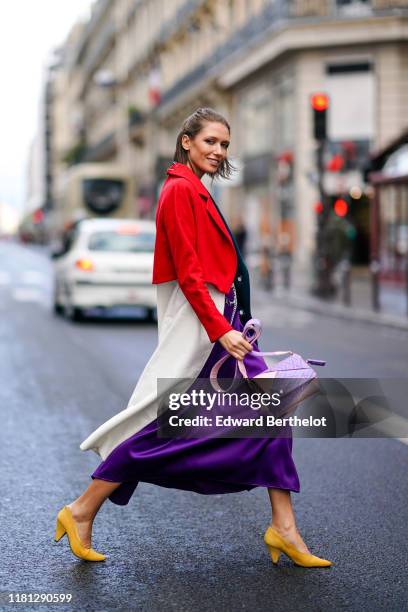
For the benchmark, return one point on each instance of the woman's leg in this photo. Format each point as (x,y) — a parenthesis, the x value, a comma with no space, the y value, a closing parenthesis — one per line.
(283,518)
(86,506)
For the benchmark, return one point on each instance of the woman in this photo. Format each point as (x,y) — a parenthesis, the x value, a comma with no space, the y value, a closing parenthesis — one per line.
(203,302)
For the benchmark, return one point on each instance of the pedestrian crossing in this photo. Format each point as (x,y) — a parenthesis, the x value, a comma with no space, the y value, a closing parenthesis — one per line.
(26,276)
(5,278)
(34,277)
(29,294)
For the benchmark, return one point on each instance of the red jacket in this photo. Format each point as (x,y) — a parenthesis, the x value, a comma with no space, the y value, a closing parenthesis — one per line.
(193,246)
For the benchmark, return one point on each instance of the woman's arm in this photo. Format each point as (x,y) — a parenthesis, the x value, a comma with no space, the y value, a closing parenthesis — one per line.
(180,227)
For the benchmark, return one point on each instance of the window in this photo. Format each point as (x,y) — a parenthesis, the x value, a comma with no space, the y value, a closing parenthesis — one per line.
(348,2)
(353,7)
(140,242)
(103,195)
(350,86)
(285,113)
(255,120)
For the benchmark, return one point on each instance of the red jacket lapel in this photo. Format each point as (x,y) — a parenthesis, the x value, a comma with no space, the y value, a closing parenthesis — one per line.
(181,170)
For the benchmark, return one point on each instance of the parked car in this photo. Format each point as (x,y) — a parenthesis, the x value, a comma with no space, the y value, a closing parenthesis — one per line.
(105,263)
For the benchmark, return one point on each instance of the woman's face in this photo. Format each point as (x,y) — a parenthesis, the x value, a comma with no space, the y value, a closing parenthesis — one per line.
(207,149)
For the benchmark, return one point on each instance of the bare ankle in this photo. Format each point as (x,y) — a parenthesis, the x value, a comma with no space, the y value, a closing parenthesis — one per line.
(80,512)
(283,527)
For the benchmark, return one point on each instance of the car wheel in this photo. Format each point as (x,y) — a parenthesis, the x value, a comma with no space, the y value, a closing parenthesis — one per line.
(73,313)
(58,308)
(151,315)
(77,314)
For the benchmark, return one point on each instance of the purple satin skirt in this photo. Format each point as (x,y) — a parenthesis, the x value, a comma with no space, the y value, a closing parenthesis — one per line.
(206,466)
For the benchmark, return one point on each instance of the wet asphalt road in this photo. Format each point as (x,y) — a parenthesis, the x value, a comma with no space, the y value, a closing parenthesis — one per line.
(169,549)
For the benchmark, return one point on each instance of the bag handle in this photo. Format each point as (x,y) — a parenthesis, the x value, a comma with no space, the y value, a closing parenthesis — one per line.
(251,332)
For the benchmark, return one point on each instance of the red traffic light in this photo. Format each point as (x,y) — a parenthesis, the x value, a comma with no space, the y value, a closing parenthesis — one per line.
(336,163)
(318,207)
(341,207)
(37,216)
(319,101)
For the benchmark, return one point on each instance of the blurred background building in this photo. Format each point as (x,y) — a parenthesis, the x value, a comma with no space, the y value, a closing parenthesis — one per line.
(119,88)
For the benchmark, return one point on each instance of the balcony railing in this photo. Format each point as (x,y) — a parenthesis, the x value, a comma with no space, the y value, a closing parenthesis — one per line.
(168,29)
(135,117)
(101,150)
(99,48)
(100,8)
(185,12)
(276,15)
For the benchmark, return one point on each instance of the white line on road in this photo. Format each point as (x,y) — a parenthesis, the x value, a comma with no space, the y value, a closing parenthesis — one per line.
(5,277)
(33,277)
(25,294)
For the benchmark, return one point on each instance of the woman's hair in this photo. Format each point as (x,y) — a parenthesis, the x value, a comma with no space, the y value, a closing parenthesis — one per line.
(191,127)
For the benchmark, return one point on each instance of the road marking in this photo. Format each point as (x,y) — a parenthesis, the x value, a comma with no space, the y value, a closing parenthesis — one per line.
(5,277)
(25,294)
(33,277)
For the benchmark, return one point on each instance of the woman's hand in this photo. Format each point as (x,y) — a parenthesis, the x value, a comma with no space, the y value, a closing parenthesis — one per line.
(235,344)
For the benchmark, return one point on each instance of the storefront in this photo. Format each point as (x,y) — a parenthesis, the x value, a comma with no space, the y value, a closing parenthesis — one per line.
(265,134)
(389,218)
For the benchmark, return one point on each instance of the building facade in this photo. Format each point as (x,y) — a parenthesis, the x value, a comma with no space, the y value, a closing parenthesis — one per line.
(139,67)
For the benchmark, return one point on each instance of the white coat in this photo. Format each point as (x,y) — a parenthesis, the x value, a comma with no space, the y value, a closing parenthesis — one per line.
(182,351)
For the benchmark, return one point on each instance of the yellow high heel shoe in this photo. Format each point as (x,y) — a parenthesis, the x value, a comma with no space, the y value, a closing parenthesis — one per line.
(66,525)
(277,544)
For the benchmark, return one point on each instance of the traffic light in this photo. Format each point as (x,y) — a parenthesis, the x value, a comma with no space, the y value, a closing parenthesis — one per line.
(37,216)
(336,163)
(340,207)
(318,207)
(319,103)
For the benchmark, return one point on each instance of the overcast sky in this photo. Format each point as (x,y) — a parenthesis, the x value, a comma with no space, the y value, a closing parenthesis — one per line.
(28,31)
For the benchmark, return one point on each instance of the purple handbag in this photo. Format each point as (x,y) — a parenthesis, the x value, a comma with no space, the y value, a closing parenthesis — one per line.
(301,379)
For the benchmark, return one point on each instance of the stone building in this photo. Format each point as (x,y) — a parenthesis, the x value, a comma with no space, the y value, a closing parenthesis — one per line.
(139,67)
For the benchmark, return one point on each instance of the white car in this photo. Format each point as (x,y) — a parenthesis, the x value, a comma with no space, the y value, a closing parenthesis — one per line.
(106,263)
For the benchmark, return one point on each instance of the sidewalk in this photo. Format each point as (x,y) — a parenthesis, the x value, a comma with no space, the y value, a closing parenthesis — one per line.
(393,300)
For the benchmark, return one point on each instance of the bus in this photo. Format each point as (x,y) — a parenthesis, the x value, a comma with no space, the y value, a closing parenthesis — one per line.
(91,190)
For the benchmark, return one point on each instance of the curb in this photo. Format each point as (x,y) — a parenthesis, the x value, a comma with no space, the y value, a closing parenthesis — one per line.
(335,310)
